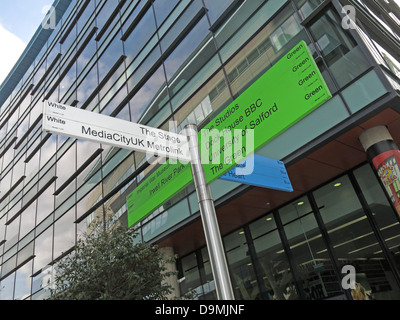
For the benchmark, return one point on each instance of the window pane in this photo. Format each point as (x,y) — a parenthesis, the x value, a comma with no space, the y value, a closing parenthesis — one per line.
(28,219)
(7,287)
(43,249)
(64,233)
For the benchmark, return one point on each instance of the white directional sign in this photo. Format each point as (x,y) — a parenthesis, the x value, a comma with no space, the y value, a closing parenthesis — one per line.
(82,124)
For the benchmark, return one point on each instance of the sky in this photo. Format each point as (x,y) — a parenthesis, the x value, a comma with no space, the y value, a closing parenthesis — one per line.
(19,20)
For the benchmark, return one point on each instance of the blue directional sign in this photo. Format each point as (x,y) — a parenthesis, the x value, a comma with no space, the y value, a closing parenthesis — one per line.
(266,173)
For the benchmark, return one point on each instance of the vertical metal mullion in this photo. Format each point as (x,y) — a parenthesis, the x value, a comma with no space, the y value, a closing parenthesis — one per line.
(200,267)
(296,277)
(327,241)
(255,262)
(375,228)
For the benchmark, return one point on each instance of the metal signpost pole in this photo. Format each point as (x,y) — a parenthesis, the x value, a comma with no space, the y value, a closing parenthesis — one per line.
(215,247)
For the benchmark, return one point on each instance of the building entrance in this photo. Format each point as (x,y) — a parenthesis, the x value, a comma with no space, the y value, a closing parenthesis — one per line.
(300,250)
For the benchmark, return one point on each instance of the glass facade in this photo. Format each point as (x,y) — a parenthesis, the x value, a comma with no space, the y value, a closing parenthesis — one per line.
(165,64)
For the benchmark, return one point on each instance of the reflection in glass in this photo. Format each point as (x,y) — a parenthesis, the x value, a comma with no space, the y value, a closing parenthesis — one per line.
(105,12)
(28,219)
(7,287)
(23,281)
(12,231)
(64,233)
(45,204)
(109,57)
(40,281)
(87,86)
(162,8)
(43,249)
(138,39)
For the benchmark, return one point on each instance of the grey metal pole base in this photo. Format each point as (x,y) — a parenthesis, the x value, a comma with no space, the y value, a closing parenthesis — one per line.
(215,247)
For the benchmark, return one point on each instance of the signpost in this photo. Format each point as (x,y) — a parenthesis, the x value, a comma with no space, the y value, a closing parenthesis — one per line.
(82,124)
(286,93)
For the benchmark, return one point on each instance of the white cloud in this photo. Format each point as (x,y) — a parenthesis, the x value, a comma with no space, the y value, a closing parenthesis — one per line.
(11,49)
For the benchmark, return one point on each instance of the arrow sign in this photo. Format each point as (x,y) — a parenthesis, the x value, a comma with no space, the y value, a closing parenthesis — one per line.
(82,124)
(267,173)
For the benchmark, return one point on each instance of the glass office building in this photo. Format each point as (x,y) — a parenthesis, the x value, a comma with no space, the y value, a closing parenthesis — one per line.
(157,61)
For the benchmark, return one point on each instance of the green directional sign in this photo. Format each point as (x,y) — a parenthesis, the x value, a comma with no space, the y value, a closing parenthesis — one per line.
(286,93)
